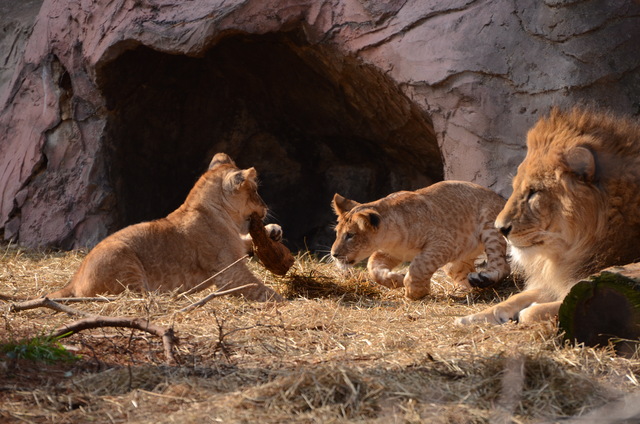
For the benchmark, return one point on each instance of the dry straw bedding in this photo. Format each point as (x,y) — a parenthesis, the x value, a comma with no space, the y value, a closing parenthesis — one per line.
(340,349)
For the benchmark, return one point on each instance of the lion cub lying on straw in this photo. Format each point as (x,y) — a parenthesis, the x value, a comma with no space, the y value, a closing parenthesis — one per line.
(448,223)
(203,236)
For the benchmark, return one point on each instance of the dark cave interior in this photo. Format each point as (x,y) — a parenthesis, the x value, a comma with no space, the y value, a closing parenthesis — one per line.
(311,121)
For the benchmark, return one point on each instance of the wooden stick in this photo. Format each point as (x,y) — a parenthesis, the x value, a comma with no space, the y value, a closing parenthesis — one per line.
(209,281)
(84,299)
(44,302)
(169,339)
(214,294)
(9,298)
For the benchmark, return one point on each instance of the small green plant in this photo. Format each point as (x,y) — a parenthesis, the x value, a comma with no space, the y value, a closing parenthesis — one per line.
(41,348)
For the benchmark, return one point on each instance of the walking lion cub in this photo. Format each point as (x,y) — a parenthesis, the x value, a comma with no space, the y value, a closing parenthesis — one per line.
(203,236)
(448,223)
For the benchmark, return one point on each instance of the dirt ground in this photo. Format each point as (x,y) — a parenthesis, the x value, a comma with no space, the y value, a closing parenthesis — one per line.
(340,349)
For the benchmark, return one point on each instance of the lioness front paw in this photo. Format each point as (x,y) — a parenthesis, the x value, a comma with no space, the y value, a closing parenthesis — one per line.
(274,232)
(495,315)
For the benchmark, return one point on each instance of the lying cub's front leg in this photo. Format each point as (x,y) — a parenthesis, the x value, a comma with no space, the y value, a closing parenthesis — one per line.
(380,266)
(274,232)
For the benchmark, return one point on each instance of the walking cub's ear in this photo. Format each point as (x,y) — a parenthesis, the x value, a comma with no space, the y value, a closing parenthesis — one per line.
(342,205)
(367,219)
(221,159)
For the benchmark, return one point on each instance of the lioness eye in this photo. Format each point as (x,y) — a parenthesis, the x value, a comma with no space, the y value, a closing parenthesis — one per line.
(532,193)
(348,236)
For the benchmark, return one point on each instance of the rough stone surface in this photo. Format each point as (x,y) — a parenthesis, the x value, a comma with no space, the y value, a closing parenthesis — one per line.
(115,107)
(16,22)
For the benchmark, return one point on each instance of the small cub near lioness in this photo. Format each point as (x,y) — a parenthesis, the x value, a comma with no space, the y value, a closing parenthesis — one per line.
(448,223)
(203,236)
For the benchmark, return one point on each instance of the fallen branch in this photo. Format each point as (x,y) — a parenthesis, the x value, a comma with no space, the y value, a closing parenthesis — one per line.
(10,298)
(169,339)
(44,302)
(214,294)
(84,299)
(209,281)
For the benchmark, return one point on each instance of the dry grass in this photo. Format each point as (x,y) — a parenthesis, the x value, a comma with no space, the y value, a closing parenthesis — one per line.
(340,349)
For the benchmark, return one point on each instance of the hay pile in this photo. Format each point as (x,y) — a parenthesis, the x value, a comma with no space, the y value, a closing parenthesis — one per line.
(341,349)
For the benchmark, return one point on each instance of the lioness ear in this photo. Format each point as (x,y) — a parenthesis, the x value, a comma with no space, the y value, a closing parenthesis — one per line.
(219,159)
(342,205)
(581,162)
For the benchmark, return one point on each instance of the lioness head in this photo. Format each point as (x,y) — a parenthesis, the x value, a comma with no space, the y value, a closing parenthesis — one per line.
(356,231)
(556,204)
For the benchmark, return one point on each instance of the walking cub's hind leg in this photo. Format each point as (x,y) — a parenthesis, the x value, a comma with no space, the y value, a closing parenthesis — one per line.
(495,247)
(459,270)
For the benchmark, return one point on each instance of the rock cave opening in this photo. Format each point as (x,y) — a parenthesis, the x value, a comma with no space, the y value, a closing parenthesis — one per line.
(311,121)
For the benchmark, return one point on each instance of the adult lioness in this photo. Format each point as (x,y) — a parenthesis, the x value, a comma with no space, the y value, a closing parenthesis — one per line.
(575,209)
(448,223)
(204,235)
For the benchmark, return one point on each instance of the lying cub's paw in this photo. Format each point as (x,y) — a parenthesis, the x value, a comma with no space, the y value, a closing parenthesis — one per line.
(262,293)
(274,232)
(480,280)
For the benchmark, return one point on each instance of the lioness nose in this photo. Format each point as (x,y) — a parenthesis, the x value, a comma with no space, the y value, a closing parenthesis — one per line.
(505,230)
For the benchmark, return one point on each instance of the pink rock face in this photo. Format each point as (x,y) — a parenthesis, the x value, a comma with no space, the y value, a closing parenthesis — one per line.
(115,108)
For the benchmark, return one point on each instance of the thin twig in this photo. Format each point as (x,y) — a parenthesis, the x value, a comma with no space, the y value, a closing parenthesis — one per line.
(209,281)
(10,298)
(96,321)
(169,339)
(84,299)
(45,302)
(215,294)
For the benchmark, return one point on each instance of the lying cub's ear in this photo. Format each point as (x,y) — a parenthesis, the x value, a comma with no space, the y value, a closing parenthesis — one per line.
(234,181)
(220,159)
(250,174)
(581,162)
(342,205)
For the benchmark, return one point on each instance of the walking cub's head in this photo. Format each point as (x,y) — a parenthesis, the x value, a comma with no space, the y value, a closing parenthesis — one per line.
(225,186)
(358,225)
